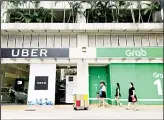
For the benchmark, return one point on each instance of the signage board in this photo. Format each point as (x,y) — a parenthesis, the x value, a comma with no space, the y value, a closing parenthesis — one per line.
(140,52)
(34,52)
(41,83)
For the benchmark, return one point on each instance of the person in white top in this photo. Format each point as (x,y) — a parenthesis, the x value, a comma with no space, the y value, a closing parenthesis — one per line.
(103,93)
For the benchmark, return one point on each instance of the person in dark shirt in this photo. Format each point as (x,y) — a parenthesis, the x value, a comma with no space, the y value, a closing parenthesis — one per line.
(118,95)
(132,98)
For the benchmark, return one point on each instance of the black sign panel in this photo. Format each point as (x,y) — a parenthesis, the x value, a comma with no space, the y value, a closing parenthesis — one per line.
(70,79)
(19,85)
(41,83)
(34,52)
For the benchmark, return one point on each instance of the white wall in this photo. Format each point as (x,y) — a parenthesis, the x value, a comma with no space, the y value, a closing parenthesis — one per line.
(42,70)
(81,40)
(77,53)
(82,78)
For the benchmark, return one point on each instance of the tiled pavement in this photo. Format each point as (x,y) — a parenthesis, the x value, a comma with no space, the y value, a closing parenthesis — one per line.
(67,112)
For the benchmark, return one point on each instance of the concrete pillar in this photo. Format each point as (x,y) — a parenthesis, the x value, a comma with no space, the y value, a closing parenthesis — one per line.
(35,96)
(82,78)
(162,6)
(162,13)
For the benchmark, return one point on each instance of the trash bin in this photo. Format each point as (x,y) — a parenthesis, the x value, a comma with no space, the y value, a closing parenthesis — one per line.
(81,101)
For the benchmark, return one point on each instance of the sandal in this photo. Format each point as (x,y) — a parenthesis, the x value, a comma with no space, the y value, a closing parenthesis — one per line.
(107,105)
(120,105)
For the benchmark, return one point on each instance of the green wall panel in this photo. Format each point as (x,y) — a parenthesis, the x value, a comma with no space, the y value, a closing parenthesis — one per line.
(146,89)
(123,74)
(142,77)
(96,74)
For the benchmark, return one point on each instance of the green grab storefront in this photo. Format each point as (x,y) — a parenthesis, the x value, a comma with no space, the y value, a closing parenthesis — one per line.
(147,77)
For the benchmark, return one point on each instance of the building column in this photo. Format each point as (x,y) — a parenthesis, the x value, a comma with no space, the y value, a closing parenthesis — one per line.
(42,96)
(162,13)
(162,6)
(82,78)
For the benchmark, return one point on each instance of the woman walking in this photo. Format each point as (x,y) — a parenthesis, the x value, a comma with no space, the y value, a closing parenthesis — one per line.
(103,94)
(118,95)
(132,97)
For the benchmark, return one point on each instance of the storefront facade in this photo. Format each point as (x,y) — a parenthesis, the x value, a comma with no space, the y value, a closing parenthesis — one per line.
(146,76)
(106,56)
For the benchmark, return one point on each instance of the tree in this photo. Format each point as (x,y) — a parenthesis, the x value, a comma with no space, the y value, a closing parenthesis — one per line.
(91,10)
(130,4)
(151,7)
(117,5)
(103,6)
(99,11)
(63,11)
(139,11)
(132,12)
(36,3)
(13,15)
(16,3)
(76,8)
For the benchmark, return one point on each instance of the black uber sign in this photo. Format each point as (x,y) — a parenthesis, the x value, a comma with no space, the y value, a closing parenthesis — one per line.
(41,83)
(34,52)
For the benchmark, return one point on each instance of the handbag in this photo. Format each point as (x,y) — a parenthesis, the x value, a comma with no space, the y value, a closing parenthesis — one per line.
(133,99)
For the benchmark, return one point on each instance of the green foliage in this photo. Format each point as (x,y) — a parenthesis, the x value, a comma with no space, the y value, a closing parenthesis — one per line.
(30,16)
(36,3)
(151,7)
(76,8)
(154,6)
(17,3)
(107,11)
(99,12)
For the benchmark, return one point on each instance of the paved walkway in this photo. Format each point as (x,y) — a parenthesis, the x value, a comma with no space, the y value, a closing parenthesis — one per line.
(67,112)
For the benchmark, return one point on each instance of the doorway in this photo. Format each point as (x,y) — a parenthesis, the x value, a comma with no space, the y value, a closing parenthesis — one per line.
(99,73)
(65,83)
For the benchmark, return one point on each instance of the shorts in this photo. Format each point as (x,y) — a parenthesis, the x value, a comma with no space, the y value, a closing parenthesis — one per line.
(103,94)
